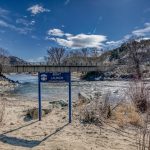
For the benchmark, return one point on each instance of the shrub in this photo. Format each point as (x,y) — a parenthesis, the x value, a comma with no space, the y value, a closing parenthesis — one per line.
(95,111)
(139,94)
(127,114)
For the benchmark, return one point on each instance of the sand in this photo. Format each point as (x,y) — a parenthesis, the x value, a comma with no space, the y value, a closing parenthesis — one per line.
(54,132)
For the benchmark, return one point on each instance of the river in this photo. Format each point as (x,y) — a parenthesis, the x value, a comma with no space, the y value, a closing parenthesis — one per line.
(28,89)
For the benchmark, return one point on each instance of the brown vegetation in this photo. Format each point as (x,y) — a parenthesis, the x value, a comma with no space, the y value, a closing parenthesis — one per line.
(138,93)
(2,109)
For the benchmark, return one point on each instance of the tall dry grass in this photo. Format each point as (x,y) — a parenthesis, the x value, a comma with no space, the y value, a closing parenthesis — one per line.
(139,93)
(127,114)
(2,109)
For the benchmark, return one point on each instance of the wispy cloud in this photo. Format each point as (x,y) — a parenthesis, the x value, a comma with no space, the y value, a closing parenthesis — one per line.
(4,14)
(76,41)
(25,22)
(100,18)
(36,9)
(67,2)
(143,31)
(23,30)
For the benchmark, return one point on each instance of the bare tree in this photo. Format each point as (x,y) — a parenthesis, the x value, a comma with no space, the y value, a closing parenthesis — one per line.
(3,57)
(135,51)
(85,54)
(56,55)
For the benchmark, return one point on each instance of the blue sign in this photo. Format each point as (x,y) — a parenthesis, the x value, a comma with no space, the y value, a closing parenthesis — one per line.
(54,77)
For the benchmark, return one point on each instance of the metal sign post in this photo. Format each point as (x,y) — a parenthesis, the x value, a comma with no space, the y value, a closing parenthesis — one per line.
(52,78)
(39,95)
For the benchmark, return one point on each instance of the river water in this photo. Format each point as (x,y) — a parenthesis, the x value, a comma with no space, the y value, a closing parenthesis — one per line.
(28,89)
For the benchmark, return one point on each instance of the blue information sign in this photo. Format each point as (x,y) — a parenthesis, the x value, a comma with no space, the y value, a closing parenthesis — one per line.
(54,77)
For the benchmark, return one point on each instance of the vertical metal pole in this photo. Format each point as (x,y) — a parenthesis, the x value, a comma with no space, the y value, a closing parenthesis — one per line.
(39,95)
(70,101)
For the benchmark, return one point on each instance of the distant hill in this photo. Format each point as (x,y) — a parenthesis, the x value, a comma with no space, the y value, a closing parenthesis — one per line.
(14,60)
(120,55)
(7,60)
(120,60)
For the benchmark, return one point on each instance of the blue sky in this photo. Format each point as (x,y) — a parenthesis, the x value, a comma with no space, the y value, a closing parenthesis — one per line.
(29,27)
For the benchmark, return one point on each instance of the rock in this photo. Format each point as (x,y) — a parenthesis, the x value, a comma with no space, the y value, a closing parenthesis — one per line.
(34,113)
(60,103)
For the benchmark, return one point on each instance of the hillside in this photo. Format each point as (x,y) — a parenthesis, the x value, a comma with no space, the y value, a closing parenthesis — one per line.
(11,60)
(121,54)
(123,61)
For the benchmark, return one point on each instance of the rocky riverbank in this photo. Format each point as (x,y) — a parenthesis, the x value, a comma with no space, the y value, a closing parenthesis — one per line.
(6,84)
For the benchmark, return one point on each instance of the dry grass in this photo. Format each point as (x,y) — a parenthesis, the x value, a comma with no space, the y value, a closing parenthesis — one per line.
(139,94)
(95,111)
(127,114)
(2,109)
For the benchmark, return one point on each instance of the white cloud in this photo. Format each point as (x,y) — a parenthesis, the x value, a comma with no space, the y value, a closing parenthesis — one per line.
(64,42)
(56,32)
(136,34)
(36,9)
(84,40)
(142,32)
(12,27)
(113,44)
(75,41)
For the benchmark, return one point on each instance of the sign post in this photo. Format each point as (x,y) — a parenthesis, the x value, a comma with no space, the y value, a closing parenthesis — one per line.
(39,94)
(53,78)
(70,102)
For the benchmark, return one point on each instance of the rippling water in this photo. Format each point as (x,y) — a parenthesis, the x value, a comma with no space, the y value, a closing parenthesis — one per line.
(28,88)
(50,91)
